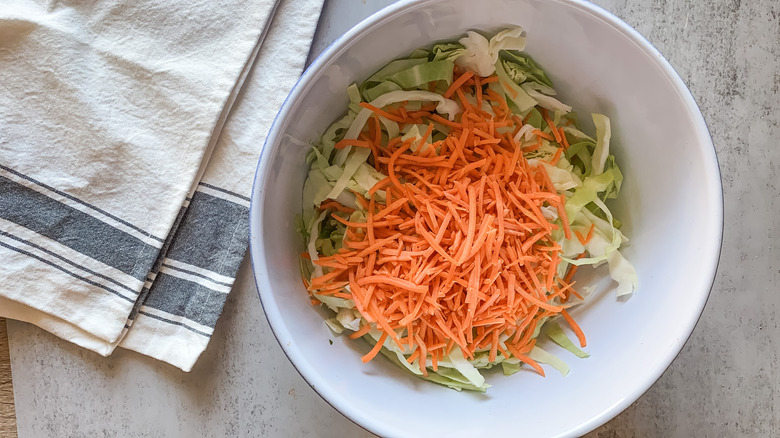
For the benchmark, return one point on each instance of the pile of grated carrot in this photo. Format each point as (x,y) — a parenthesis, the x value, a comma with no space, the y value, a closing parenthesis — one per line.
(459,253)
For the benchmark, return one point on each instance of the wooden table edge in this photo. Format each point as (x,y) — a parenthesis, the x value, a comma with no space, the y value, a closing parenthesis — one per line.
(7,408)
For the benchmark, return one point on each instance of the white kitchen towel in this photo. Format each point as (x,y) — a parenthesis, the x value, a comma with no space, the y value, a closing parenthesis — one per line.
(123,202)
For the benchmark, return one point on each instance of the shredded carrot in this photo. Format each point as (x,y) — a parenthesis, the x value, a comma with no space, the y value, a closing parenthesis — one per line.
(458,83)
(380,112)
(334,205)
(563,138)
(577,330)
(352,142)
(511,90)
(454,250)
(362,331)
(552,126)
(543,135)
(478,91)
(590,234)
(580,237)
(375,350)
(573,269)
(557,156)
(535,365)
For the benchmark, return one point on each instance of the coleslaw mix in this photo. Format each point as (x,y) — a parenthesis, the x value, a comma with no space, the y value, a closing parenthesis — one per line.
(345,173)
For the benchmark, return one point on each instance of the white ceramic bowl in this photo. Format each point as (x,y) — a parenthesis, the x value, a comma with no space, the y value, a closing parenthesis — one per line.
(671,206)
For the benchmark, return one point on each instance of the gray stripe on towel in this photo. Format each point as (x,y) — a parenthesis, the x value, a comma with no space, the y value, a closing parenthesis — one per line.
(57,256)
(213,235)
(80,201)
(196,274)
(75,229)
(72,274)
(220,189)
(157,263)
(181,297)
(159,318)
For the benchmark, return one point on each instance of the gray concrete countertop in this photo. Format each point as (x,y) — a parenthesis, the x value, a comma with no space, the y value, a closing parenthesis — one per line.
(724,382)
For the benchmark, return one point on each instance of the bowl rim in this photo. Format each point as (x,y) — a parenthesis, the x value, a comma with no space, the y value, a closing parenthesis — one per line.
(258,259)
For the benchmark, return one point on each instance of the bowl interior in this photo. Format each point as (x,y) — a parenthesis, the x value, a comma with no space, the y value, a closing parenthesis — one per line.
(671,188)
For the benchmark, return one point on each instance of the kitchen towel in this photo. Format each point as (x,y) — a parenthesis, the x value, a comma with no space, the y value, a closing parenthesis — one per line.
(129,134)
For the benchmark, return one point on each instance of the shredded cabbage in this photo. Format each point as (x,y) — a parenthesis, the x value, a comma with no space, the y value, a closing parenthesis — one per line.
(542,356)
(481,54)
(603,134)
(555,332)
(465,368)
(585,173)
(517,94)
(545,101)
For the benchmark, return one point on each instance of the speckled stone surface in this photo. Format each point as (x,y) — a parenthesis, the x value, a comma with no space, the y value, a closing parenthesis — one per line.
(724,382)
